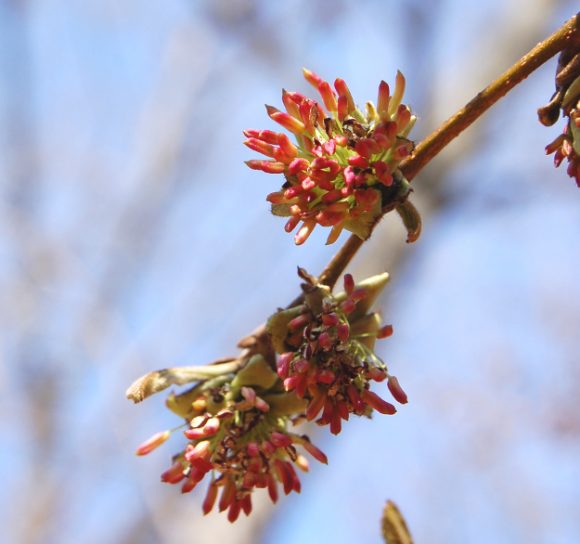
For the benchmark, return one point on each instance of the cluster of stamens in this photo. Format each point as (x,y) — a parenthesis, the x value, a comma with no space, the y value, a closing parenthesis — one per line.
(241,446)
(331,361)
(342,169)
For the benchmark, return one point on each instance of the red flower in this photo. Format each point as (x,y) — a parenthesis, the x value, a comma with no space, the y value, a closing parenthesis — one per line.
(337,173)
(241,446)
(327,353)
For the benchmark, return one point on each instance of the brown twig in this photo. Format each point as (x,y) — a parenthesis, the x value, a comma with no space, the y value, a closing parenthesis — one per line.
(340,261)
(455,125)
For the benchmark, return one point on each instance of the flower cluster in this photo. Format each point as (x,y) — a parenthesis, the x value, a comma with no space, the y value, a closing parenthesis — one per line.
(343,168)
(238,414)
(327,355)
(238,436)
(566,100)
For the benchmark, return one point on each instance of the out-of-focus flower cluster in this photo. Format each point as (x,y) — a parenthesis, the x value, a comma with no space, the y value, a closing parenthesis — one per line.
(343,168)
(327,357)
(240,413)
(566,100)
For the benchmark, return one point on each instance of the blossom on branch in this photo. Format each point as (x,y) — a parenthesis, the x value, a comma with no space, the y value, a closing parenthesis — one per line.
(238,437)
(327,356)
(342,170)
(314,361)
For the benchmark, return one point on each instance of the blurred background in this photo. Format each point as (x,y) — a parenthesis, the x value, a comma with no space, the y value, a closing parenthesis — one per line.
(133,237)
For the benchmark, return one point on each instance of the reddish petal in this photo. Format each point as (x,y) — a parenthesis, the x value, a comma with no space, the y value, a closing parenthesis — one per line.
(189,484)
(283,364)
(290,103)
(385,332)
(314,79)
(344,93)
(291,223)
(304,232)
(315,452)
(284,475)
(358,161)
(379,404)
(383,99)
(335,422)
(234,511)
(228,495)
(286,120)
(152,443)
(342,408)
(315,405)
(261,147)
(272,488)
(270,167)
(343,331)
(280,440)
(396,390)
(348,283)
(328,96)
(173,474)
(330,320)
(355,399)
(247,504)
(210,498)
(326,376)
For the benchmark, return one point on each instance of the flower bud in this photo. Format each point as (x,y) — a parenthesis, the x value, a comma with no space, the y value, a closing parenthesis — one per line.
(314,451)
(280,440)
(348,283)
(385,332)
(152,443)
(210,498)
(377,403)
(173,474)
(270,167)
(383,100)
(396,390)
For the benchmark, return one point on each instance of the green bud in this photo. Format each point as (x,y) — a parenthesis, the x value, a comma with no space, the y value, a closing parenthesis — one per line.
(281,210)
(363,224)
(277,326)
(256,372)
(181,404)
(365,329)
(572,94)
(285,404)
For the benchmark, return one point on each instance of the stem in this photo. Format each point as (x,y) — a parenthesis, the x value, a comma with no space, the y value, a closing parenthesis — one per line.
(456,124)
(340,261)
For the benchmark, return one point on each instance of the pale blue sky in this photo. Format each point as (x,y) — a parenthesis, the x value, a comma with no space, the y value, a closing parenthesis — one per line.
(134,238)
